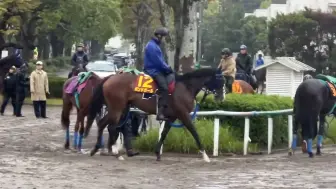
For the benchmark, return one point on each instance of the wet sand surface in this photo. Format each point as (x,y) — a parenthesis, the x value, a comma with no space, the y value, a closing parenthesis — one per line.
(32,157)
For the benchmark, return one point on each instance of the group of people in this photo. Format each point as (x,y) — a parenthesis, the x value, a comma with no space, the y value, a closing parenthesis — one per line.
(17,82)
(240,67)
(156,66)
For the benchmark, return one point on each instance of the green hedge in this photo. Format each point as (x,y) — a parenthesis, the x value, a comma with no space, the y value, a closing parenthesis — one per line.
(53,64)
(181,141)
(258,124)
(232,128)
(56,86)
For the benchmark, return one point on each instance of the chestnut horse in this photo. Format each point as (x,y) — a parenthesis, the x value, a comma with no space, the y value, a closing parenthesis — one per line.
(119,92)
(84,100)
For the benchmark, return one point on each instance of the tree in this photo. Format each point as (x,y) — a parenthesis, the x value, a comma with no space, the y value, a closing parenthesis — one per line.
(308,35)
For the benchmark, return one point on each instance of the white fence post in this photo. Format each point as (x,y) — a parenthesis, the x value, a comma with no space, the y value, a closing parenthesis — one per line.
(270,135)
(246,134)
(290,131)
(160,131)
(216,137)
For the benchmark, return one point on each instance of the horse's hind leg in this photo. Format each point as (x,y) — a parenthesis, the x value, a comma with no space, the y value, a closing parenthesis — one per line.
(320,135)
(76,129)
(81,132)
(308,134)
(162,138)
(101,126)
(65,120)
(295,130)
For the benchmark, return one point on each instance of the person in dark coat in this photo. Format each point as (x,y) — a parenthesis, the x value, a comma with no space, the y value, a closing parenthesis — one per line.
(22,82)
(156,66)
(9,84)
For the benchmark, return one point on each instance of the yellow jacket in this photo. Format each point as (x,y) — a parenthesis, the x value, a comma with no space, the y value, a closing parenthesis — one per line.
(228,66)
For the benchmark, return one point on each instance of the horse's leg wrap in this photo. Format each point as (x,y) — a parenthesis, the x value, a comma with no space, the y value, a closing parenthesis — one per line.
(294,141)
(319,144)
(310,147)
(75,140)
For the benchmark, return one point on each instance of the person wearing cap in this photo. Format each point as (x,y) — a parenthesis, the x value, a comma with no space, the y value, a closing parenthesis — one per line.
(39,87)
(80,57)
(9,84)
(156,66)
(244,64)
(228,68)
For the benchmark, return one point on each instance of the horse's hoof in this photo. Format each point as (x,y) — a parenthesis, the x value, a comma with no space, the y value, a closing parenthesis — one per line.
(290,152)
(66,146)
(120,158)
(311,155)
(80,151)
(318,151)
(93,152)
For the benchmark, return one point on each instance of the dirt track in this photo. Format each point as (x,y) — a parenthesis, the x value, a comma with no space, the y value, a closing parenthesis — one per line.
(32,156)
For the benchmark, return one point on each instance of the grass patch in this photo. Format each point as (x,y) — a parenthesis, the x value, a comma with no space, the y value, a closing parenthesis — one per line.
(181,141)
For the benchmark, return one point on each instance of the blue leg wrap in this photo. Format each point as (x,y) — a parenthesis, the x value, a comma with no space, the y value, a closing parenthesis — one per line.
(319,140)
(80,140)
(75,139)
(67,135)
(310,145)
(294,141)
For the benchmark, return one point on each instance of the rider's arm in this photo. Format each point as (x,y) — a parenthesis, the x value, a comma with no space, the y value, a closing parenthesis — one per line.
(86,59)
(157,57)
(249,64)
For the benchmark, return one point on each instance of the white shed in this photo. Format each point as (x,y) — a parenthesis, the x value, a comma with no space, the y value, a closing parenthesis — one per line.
(283,75)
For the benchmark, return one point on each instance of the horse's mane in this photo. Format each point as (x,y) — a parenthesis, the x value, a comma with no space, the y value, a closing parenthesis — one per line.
(205,72)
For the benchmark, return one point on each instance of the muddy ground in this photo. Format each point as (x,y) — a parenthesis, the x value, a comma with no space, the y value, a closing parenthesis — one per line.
(32,156)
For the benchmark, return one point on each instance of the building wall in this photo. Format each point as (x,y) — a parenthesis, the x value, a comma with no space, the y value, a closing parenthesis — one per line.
(294,6)
(278,80)
(275,9)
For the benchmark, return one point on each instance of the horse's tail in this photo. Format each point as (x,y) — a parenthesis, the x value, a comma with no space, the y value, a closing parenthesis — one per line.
(95,106)
(66,109)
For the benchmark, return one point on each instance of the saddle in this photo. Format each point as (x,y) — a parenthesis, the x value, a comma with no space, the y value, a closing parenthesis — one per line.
(146,85)
(78,84)
(330,82)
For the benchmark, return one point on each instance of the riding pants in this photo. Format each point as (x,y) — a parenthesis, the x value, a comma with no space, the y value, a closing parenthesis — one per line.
(162,84)
(229,81)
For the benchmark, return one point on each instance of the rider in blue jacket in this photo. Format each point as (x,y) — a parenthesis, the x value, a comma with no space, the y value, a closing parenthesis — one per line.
(156,66)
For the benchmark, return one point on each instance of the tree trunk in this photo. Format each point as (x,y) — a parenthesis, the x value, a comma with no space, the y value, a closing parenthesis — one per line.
(189,43)
(67,51)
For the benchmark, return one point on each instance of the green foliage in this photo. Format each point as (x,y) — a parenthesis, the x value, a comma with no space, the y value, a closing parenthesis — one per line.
(265,4)
(56,86)
(228,28)
(53,65)
(258,124)
(232,128)
(181,141)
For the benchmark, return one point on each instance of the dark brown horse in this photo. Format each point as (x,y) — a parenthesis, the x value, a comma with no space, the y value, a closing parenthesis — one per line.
(82,106)
(118,92)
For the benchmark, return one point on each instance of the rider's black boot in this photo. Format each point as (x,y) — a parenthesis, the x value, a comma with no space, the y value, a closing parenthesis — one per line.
(162,107)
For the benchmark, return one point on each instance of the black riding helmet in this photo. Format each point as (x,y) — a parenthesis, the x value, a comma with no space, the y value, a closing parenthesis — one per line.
(161,31)
(227,52)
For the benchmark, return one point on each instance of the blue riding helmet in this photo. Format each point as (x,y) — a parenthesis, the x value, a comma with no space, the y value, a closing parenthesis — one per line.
(243,47)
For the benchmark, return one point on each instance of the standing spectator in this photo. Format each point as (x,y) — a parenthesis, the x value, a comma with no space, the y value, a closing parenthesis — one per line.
(9,90)
(21,86)
(259,61)
(39,87)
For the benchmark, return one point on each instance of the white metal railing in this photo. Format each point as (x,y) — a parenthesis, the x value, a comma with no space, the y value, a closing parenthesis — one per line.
(247,116)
